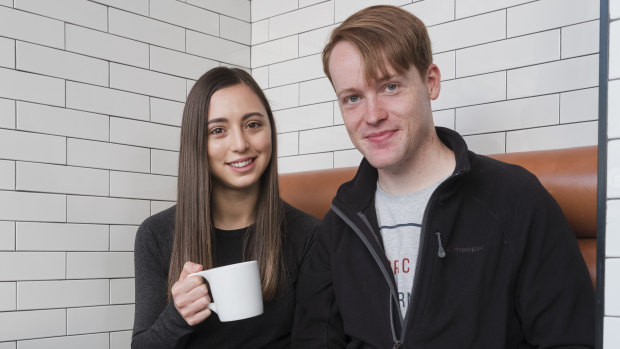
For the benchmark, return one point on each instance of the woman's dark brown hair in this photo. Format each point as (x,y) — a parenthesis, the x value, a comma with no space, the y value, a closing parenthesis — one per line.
(194,238)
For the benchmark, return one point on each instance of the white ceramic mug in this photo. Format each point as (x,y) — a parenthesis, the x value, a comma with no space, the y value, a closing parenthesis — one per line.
(236,289)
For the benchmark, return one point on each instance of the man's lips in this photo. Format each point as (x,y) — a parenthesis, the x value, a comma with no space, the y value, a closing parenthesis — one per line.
(381,136)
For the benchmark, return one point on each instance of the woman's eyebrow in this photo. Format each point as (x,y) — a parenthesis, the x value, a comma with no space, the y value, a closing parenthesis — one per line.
(217,121)
(225,120)
(250,114)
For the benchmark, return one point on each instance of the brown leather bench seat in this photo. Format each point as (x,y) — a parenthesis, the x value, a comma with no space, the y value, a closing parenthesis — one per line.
(568,174)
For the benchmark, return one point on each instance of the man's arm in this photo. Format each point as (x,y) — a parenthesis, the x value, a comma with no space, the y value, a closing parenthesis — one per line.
(555,298)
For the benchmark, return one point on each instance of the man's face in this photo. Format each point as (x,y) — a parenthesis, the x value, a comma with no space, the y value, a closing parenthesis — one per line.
(389,119)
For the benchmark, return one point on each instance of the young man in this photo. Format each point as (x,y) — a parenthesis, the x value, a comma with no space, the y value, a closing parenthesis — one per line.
(431,245)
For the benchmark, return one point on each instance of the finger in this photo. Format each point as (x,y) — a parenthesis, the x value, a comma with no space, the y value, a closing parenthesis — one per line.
(198,317)
(183,287)
(189,311)
(198,292)
(188,268)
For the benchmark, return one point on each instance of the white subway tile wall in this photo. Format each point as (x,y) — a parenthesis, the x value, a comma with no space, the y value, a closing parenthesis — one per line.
(104,318)
(92,341)
(7,53)
(61,64)
(612,239)
(122,291)
(7,175)
(611,325)
(38,236)
(120,339)
(7,236)
(8,296)
(7,113)
(122,237)
(91,101)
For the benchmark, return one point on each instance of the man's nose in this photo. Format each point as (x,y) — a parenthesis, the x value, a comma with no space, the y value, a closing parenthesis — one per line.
(375,111)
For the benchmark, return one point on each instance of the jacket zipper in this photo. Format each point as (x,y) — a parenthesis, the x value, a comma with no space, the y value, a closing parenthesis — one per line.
(397,341)
(421,252)
(377,259)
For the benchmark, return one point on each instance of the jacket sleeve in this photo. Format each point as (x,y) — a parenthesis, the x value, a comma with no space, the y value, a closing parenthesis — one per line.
(157,323)
(318,323)
(555,297)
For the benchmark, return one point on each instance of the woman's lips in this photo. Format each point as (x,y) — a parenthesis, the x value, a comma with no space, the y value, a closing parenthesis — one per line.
(242,165)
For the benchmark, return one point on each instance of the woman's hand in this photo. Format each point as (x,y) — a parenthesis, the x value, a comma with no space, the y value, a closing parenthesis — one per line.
(191,296)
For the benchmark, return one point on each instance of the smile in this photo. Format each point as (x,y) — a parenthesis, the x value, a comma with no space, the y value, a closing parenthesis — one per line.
(240,164)
(378,137)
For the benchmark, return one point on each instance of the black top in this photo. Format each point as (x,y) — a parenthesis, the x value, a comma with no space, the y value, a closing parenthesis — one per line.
(158,324)
(229,246)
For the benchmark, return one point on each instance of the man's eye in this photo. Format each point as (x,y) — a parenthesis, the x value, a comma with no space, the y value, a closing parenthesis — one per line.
(353,99)
(391,87)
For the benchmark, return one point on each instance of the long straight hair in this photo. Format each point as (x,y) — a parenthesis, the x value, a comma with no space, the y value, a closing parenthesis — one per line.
(194,238)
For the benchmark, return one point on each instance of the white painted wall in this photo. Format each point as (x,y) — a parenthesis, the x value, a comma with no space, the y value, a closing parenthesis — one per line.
(91,94)
(611,324)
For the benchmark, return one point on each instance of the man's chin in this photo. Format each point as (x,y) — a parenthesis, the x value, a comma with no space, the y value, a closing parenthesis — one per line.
(381,162)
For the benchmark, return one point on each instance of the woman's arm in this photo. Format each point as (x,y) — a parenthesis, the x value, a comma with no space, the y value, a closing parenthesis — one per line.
(157,323)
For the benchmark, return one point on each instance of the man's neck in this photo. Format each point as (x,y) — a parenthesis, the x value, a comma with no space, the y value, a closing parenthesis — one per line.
(430,163)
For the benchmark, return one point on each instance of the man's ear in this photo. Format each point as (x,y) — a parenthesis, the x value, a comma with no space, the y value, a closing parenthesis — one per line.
(433,81)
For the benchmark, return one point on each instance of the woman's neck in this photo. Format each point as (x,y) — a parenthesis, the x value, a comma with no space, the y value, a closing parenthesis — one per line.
(233,209)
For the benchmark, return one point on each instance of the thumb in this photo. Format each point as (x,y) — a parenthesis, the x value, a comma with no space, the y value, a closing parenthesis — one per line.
(188,268)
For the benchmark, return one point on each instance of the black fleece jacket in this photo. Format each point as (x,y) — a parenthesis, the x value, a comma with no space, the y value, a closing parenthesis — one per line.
(498,267)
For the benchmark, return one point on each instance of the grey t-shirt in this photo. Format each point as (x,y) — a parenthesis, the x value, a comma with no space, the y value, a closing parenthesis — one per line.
(400,221)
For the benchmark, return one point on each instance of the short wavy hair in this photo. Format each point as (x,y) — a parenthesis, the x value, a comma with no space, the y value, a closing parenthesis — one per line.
(384,34)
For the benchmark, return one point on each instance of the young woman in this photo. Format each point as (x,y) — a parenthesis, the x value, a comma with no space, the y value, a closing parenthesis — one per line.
(228,211)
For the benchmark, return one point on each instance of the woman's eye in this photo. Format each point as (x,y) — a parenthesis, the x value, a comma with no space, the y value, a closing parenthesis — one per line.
(253,124)
(216,131)
(390,87)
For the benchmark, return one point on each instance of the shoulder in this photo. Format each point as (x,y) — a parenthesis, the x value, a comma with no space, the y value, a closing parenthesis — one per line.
(298,219)
(157,229)
(503,177)
(299,229)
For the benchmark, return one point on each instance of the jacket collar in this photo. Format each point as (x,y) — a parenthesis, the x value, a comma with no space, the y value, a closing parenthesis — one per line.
(359,193)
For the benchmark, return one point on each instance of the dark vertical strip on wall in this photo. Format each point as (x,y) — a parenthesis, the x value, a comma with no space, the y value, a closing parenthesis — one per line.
(601,200)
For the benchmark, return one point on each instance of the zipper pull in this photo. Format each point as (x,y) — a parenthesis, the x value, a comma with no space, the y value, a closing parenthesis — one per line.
(396,344)
(440,252)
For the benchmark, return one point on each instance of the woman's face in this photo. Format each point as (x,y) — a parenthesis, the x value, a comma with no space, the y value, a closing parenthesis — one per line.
(239,138)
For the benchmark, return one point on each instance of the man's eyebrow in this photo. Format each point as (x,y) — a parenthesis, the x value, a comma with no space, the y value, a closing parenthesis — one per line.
(225,120)
(346,91)
(387,78)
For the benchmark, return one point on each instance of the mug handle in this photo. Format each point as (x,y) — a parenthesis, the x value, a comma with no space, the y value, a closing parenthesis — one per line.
(211,305)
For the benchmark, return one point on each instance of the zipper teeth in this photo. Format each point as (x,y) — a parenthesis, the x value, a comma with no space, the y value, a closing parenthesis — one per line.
(416,285)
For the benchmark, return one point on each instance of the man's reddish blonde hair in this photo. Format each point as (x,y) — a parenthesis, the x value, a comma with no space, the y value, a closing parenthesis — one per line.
(386,36)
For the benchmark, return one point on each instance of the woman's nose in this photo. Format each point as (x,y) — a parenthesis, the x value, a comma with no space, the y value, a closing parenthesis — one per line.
(239,141)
